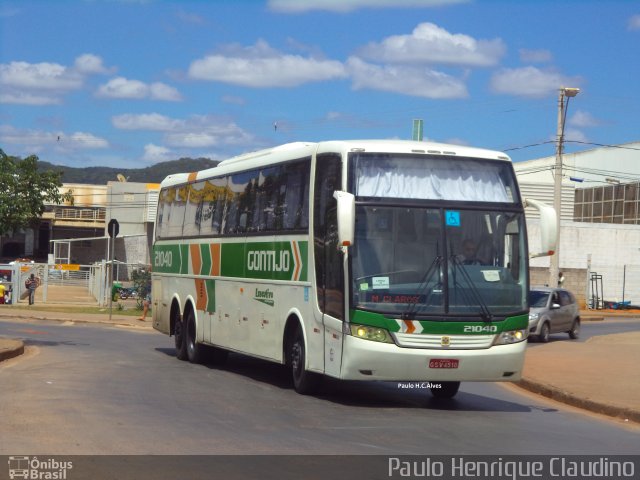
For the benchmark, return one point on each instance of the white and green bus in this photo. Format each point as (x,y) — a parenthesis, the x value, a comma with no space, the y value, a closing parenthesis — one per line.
(350,259)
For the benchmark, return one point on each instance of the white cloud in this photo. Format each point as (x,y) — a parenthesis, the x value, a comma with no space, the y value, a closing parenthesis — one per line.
(121,87)
(300,6)
(197,131)
(530,82)
(260,66)
(430,44)
(38,140)
(206,131)
(84,140)
(155,153)
(161,91)
(634,22)
(535,56)
(50,77)
(89,63)
(145,121)
(416,81)
(10,96)
(45,83)
(582,119)
(574,135)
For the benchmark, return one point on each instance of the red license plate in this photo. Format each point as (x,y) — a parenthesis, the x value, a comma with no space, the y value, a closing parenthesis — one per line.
(444,363)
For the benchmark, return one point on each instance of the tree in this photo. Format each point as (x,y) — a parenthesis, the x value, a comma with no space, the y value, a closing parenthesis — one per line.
(24,192)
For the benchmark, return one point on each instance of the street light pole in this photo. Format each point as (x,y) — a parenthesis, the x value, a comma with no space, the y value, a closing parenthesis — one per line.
(554,268)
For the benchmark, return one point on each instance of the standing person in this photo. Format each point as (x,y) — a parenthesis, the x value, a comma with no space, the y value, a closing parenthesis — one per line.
(560,280)
(2,292)
(145,303)
(31,285)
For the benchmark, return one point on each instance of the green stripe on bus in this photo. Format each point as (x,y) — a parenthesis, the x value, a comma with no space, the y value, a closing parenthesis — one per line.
(280,260)
(205,255)
(211,295)
(184,259)
(167,259)
(518,322)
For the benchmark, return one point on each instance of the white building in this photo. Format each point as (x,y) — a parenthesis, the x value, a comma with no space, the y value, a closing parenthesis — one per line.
(600,215)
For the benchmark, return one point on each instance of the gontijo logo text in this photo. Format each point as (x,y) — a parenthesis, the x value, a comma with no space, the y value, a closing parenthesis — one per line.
(269,260)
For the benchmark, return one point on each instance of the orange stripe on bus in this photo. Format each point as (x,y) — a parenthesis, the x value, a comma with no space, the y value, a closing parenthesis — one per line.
(192,176)
(215,259)
(410,326)
(201,292)
(296,253)
(196,259)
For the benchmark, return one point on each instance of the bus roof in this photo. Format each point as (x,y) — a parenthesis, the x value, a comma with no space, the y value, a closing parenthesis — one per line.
(289,151)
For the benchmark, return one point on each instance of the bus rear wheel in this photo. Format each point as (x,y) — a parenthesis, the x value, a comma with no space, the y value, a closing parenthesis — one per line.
(304,381)
(445,390)
(179,333)
(195,352)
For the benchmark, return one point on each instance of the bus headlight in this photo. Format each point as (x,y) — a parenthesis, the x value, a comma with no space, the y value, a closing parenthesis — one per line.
(374,334)
(511,336)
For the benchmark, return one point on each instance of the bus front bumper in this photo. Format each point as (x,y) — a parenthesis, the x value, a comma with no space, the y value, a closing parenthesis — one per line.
(368,360)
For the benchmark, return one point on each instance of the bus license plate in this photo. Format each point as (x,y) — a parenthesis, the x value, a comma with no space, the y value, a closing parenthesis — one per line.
(444,363)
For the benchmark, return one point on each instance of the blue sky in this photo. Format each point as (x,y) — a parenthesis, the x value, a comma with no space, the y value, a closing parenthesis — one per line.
(130,83)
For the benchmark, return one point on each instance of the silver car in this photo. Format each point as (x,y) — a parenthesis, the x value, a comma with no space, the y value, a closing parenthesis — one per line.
(552,310)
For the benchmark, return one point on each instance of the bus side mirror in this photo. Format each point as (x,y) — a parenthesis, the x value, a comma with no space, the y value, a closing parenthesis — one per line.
(548,228)
(346,217)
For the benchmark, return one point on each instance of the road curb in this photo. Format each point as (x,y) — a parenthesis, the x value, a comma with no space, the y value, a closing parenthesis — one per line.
(583,403)
(120,322)
(10,348)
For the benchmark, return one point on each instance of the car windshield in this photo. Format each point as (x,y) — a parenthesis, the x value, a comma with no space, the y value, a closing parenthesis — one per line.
(538,299)
(418,261)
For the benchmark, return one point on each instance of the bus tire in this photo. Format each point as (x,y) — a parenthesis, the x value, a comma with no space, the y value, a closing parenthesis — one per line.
(195,351)
(446,390)
(179,332)
(304,381)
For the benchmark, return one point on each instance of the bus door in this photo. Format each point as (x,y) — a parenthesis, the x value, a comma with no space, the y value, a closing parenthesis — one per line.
(329,270)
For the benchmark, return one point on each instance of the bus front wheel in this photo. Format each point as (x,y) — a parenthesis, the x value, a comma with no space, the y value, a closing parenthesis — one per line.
(304,381)
(445,389)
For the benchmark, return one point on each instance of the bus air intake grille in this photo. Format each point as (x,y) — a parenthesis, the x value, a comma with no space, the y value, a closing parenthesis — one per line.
(443,342)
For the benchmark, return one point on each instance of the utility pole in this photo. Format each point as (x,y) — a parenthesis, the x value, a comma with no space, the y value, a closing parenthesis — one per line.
(554,268)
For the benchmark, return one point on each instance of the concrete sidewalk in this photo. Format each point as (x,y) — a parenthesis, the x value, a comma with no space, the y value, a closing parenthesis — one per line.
(600,375)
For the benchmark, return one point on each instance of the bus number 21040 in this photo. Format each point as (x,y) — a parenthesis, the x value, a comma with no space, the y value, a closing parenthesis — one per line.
(480,329)
(163,258)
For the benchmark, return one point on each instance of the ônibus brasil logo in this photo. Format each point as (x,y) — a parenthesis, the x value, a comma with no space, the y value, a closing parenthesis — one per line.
(38,469)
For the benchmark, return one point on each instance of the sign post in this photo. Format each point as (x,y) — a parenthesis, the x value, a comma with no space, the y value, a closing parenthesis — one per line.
(113,228)
(418,130)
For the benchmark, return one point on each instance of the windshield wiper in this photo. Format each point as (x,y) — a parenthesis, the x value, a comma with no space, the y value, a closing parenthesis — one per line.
(410,312)
(485,313)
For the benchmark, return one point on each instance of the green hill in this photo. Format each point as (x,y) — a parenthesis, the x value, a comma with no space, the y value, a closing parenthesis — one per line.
(153,174)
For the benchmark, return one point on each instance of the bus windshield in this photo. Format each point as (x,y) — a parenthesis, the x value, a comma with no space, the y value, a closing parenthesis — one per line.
(420,261)
(421,177)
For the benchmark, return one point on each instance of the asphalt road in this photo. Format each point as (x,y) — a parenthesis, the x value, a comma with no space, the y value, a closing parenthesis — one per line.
(96,389)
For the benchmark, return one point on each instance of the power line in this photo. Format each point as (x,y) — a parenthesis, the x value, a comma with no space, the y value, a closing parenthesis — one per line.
(602,145)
